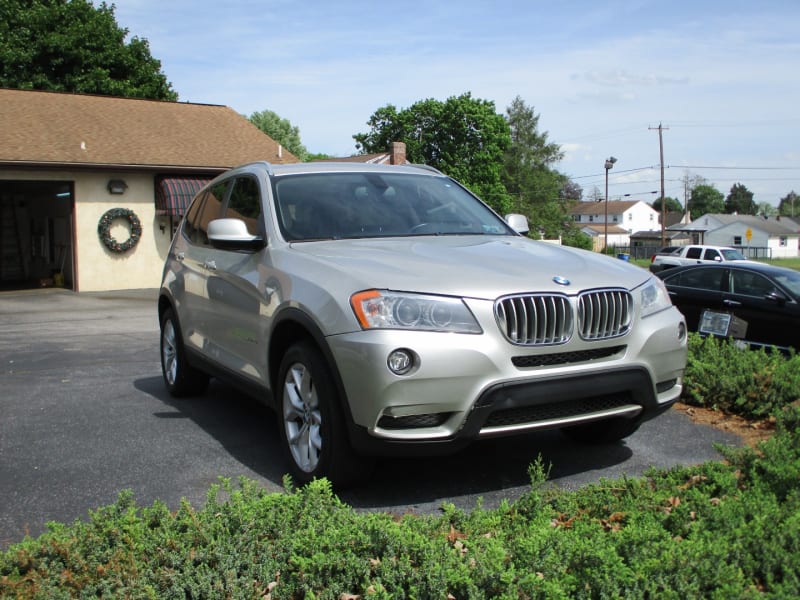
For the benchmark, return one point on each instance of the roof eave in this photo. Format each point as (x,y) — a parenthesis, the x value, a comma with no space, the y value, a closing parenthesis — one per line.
(64,165)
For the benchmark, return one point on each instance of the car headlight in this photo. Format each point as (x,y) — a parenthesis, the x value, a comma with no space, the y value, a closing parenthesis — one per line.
(654,297)
(383,309)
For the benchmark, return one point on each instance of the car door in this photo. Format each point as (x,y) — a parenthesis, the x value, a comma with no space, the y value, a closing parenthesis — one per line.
(195,255)
(696,289)
(234,288)
(769,320)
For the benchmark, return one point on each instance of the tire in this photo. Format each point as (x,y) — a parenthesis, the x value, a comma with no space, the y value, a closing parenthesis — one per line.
(180,377)
(602,432)
(312,429)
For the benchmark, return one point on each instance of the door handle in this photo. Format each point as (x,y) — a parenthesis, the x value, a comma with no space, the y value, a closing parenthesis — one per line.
(731,303)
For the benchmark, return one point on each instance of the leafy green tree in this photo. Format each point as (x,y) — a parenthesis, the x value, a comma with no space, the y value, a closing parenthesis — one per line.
(536,189)
(280,130)
(789,205)
(740,201)
(74,46)
(706,199)
(462,136)
(672,205)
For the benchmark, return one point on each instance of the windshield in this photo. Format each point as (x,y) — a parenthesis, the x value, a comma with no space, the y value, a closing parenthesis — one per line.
(318,206)
(732,254)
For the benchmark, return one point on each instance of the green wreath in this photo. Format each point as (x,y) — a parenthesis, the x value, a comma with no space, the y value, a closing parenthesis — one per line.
(104,226)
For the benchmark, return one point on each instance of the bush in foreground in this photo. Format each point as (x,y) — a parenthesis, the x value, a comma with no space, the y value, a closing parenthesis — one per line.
(750,383)
(717,530)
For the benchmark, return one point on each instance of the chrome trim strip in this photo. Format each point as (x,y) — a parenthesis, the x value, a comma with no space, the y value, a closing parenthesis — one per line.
(628,410)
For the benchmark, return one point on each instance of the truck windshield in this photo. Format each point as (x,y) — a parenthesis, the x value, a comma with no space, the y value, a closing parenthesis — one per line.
(318,206)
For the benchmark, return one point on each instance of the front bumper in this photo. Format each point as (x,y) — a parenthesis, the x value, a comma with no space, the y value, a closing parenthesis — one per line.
(466,387)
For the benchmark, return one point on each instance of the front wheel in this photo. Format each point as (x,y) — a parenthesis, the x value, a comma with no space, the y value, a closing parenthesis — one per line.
(180,377)
(312,428)
(602,432)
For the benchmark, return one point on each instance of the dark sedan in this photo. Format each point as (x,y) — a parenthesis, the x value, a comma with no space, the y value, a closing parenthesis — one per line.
(751,301)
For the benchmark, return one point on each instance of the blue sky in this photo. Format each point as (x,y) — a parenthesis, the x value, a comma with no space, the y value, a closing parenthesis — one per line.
(722,76)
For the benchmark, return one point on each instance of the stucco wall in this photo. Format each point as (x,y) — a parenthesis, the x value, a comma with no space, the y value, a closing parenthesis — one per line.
(98,268)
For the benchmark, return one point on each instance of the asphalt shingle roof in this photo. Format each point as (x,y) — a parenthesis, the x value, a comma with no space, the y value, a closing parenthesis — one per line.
(70,129)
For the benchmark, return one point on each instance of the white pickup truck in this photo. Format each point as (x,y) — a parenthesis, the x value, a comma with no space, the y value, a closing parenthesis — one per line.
(693,255)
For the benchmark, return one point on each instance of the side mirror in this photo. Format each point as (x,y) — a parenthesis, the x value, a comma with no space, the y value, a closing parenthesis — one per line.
(718,258)
(232,234)
(518,223)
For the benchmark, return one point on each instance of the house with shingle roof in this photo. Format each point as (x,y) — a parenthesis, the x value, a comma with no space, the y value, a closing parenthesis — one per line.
(757,236)
(396,155)
(75,167)
(624,218)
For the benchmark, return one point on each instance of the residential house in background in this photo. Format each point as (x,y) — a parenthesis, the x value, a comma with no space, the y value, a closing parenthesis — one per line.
(396,155)
(624,218)
(91,187)
(755,236)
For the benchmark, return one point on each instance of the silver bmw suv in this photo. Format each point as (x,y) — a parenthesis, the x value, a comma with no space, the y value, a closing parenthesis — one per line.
(386,309)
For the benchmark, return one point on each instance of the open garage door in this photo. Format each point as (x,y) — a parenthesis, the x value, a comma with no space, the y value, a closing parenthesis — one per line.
(36,234)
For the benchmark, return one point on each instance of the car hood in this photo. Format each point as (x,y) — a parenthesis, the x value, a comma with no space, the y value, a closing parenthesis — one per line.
(468,266)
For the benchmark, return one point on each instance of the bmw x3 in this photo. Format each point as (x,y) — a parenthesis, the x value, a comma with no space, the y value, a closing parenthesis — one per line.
(387,310)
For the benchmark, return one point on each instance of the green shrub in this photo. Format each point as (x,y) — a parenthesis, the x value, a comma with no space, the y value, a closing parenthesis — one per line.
(751,383)
(718,530)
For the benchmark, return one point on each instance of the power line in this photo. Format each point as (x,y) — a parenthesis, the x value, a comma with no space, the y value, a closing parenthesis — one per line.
(736,168)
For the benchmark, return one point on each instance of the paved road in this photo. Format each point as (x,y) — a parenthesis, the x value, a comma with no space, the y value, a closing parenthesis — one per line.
(84,415)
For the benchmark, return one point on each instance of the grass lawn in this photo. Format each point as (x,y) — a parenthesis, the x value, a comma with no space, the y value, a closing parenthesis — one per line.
(789,263)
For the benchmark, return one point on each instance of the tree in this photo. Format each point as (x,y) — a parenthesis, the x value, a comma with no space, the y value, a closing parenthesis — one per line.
(462,136)
(765,209)
(73,46)
(535,188)
(672,205)
(280,130)
(789,204)
(740,201)
(706,199)
(571,191)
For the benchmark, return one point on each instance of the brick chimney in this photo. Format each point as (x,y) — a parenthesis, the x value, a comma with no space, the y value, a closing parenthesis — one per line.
(398,153)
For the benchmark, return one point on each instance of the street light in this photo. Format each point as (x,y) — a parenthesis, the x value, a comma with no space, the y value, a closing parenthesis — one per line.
(609,164)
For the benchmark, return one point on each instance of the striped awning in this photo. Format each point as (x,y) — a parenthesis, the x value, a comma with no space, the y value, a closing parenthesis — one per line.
(173,194)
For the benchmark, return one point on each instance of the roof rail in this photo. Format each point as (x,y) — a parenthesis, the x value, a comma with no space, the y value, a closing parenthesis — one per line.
(267,165)
(427,168)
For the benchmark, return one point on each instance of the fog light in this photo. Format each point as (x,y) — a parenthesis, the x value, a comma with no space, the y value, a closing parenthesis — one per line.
(681,331)
(400,361)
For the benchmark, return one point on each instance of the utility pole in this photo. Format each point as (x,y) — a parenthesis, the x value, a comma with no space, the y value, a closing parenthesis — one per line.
(663,202)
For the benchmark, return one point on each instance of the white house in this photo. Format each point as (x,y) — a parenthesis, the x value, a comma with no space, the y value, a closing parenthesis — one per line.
(757,237)
(624,218)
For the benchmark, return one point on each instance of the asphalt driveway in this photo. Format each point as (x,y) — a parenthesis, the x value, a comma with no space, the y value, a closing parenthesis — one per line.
(84,415)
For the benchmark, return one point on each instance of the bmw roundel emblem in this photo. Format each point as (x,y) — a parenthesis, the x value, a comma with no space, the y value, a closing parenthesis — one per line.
(561,280)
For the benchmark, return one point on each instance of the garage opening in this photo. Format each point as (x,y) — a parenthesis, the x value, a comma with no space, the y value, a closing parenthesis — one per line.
(36,234)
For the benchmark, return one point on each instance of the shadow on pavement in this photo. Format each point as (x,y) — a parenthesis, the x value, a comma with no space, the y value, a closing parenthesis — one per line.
(248,432)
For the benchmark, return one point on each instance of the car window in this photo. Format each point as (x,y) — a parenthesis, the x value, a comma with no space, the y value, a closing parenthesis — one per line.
(731,254)
(747,283)
(362,205)
(694,252)
(711,254)
(205,207)
(790,280)
(245,203)
(699,279)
